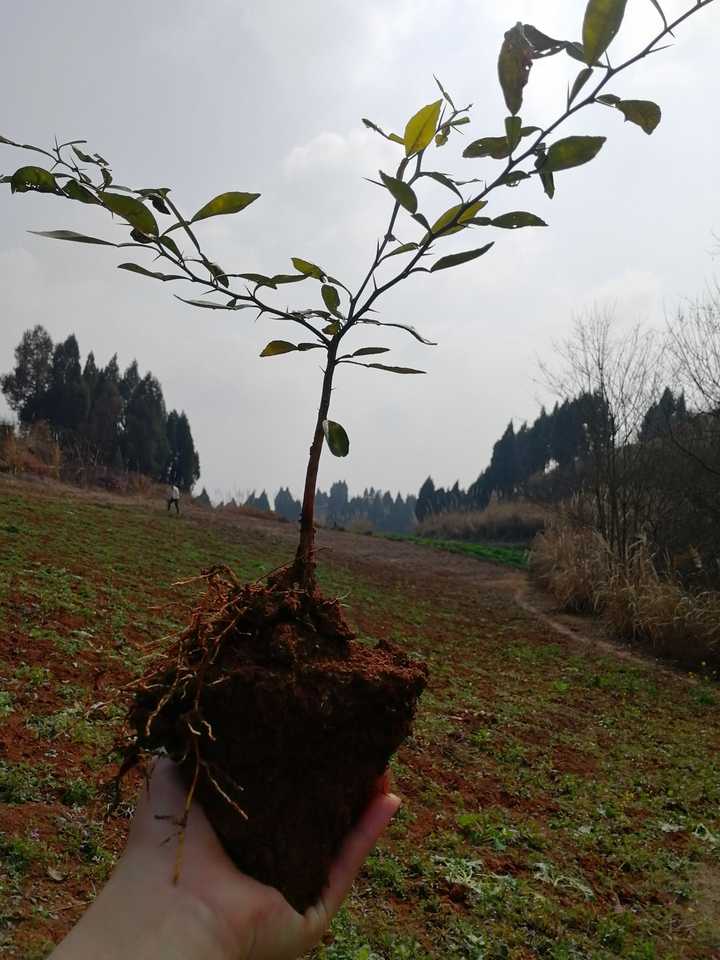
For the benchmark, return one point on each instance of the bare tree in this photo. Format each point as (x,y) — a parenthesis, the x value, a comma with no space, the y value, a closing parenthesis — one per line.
(693,340)
(618,374)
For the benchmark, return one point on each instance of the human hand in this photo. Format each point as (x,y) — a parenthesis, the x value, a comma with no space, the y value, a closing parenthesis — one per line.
(213,912)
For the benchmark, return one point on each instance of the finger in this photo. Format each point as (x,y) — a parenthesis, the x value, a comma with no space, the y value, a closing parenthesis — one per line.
(356,848)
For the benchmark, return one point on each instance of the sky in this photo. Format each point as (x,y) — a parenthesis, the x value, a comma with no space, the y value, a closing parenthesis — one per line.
(206,96)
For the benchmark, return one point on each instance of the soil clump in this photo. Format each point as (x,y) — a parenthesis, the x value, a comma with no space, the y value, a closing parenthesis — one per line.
(281,721)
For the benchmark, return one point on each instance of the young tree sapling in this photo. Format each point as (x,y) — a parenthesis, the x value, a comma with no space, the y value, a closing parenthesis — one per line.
(281,721)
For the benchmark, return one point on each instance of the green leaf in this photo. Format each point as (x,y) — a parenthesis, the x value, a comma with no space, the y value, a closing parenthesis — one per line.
(400,326)
(332,328)
(209,305)
(462,211)
(572,152)
(609,99)
(457,258)
(225,203)
(644,113)
(171,245)
(580,80)
(403,248)
(496,147)
(603,19)
(548,182)
(514,63)
(513,131)
(308,269)
(402,192)
(258,278)
(310,346)
(337,439)
(576,51)
(511,221)
(443,179)
(444,92)
(76,191)
(136,268)
(331,297)
(420,129)
(217,272)
(277,347)
(540,41)
(370,351)
(86,158)
(382,366)
(33,178)
(71,235)
(513,178)
(661,12)
(132,210)
(280,278)
(140,237)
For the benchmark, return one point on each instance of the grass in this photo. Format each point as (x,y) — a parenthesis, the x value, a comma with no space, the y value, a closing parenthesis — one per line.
(509,556)
(559,803)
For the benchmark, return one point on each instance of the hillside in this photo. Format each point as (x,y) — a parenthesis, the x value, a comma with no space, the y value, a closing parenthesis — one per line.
(561,797)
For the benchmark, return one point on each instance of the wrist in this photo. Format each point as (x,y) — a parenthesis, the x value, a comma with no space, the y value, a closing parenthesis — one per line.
(141,915)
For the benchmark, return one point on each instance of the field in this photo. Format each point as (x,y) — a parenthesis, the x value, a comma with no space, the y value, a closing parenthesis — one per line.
(561,797)
(495,553)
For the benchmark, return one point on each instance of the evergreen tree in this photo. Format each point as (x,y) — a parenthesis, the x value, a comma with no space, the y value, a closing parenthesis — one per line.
(203,499)
(144,441)
(503,465)
(68,398)
(662,416)
(286,505)
(90,376)
(103,430)
(26,386)
(130,381)
(258,503)
(426,501)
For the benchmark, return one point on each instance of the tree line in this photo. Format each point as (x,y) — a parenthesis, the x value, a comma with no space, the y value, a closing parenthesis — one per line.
(632,446)
(374,509)
(100,417)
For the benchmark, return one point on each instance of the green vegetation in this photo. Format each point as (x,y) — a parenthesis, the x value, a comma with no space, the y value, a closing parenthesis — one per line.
(510,556)
(558,803)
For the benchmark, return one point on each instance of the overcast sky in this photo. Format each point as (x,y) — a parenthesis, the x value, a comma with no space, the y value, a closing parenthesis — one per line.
(217,95)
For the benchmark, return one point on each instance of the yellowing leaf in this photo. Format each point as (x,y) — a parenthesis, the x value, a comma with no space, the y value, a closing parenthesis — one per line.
(225,203)
(421,128)
(463,212)
(602,22)
(277,347)
(309,269)
(514,63)
(644,113)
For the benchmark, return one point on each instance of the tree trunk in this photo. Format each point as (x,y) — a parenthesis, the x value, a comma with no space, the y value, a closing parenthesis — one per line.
(303,569)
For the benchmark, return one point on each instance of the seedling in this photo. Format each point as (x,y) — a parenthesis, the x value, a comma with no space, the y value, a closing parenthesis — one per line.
(279,720)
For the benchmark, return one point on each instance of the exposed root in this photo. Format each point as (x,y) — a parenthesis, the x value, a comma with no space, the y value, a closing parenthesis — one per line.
(228,613)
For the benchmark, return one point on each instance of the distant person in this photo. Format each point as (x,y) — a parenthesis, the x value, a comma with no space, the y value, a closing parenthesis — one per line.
(174,498)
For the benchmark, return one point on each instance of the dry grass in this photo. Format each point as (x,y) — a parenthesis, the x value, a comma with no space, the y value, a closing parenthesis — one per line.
(641,603)
(506,522)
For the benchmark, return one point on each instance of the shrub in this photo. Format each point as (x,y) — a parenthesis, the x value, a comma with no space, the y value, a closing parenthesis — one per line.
(642,602)
(517,521)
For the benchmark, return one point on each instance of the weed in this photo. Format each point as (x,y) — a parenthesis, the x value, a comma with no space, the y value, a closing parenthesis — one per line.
(77,792)
(18,854)
(20,783)
(34,676)
(6,703)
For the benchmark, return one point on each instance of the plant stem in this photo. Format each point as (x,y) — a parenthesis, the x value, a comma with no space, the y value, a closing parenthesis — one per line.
(303,569)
